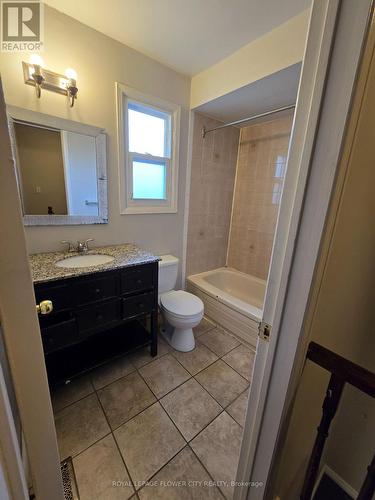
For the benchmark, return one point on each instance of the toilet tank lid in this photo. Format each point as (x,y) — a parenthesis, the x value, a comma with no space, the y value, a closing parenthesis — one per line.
(168,260)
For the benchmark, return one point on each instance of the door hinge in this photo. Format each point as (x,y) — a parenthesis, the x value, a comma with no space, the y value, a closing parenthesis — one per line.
(264,331)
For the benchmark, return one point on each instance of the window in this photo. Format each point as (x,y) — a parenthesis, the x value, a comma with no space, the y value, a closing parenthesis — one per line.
(148,153)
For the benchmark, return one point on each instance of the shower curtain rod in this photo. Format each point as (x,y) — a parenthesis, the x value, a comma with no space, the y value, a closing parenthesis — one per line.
(244,120)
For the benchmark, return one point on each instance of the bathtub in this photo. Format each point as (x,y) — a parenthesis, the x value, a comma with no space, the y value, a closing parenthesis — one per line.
(232,299)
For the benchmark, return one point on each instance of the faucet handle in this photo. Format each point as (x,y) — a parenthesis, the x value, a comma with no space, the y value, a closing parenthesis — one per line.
(82,246)
(87,242)
(70,247)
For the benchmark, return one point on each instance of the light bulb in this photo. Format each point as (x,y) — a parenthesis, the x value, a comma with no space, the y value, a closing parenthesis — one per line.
(71,74)
(36,60)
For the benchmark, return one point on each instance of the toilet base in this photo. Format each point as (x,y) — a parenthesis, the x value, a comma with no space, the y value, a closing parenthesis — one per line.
(181,339)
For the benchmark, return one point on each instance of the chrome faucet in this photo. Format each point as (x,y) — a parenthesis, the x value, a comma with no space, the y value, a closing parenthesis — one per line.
(82,246)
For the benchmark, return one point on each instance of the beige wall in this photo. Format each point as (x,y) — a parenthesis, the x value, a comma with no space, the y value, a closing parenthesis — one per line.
(260,173)
(100,62)
(343,321)
(211,193)
(41,166)
(284,46)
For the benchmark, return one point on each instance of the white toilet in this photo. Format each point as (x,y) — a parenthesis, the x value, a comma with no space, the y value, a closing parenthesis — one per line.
(181,311)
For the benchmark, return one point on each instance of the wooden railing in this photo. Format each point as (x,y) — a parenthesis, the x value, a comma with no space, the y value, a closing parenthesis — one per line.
(342,372)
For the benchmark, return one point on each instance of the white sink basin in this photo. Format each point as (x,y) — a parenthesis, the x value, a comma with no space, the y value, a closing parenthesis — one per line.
(90,260)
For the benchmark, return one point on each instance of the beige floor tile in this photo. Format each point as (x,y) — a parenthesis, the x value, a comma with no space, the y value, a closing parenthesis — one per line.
(196,360)
(70,393)
(238,408)
(97,468)
(148,442)
(241,359)
(218,448)
(204,326)
(219,341)
(143,357)
(125,398)
(111,371)
(80,425)
(163,375)
(183,467)
(222,382)
(191,408)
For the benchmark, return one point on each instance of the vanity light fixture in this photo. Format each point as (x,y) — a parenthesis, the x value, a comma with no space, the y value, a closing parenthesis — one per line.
(36,74)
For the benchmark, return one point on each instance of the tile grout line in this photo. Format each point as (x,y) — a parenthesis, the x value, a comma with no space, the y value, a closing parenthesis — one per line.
(193,374)
(223,360)
(179,385)
(113,429)
(55,413)
(230,350)
(162,467)
(208,392)
(116,443)
(208,473)
(88,447)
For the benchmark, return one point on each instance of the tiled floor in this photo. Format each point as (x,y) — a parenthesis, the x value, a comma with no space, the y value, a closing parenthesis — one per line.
(167,420)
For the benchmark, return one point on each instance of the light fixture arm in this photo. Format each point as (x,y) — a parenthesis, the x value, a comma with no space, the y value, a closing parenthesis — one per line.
(39,79)
(72,92)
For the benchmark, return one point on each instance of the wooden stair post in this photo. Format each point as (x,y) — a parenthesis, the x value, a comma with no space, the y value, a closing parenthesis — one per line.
(368,486)
(330,404)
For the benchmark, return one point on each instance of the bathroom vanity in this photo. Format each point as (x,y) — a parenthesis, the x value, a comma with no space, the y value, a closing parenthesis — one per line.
(99,312)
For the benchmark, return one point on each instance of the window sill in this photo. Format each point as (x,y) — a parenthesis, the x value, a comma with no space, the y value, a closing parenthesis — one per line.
(149,210)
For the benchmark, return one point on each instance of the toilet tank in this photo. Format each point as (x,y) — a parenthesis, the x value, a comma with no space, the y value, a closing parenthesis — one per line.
(168,268)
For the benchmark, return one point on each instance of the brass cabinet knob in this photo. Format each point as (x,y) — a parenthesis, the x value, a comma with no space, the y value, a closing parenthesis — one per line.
(44,307)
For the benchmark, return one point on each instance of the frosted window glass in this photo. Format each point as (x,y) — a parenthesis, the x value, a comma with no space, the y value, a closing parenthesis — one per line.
(147,131)
(149,180)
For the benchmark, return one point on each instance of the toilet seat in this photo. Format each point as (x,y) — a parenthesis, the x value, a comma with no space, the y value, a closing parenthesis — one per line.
(181,304)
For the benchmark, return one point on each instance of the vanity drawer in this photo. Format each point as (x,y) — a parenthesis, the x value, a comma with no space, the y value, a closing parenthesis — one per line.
(137,279)
(96,289)
(60,295)
(96,316)
(60,335)
(134,306)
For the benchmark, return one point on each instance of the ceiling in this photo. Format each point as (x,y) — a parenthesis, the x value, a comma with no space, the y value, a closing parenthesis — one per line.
(186,35)
(273,91)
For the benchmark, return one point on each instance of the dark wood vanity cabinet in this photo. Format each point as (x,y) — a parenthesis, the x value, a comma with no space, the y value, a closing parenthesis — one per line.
(98,316)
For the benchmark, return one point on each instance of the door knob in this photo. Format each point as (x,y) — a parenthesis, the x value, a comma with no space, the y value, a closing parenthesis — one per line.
(44,307)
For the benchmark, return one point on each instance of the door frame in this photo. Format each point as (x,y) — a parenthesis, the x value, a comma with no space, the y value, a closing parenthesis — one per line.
(20,327)
(337,32)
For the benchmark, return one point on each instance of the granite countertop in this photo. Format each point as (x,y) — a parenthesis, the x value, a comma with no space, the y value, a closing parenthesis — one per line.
(43,268)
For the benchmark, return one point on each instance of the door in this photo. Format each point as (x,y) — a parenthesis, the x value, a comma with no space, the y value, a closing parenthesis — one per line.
(322,107)
(20,328)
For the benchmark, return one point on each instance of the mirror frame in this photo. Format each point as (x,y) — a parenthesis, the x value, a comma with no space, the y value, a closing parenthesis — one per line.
(16,114)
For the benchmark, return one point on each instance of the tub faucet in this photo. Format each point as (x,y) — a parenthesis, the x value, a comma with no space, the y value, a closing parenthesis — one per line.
(82,246)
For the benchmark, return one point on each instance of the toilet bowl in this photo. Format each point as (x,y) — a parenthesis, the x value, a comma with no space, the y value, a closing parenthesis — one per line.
(181,311)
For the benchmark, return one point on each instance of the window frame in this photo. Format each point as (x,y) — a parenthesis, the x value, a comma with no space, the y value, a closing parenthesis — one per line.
(128,205)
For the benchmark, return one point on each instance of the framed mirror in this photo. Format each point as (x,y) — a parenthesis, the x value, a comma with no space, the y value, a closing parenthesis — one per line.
(61,169)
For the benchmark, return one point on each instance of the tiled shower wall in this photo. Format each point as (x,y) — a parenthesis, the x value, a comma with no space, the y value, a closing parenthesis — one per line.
(260,173)
(211,193)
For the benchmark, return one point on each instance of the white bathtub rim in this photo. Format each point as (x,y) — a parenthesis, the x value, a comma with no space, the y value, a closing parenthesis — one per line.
(238,305)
